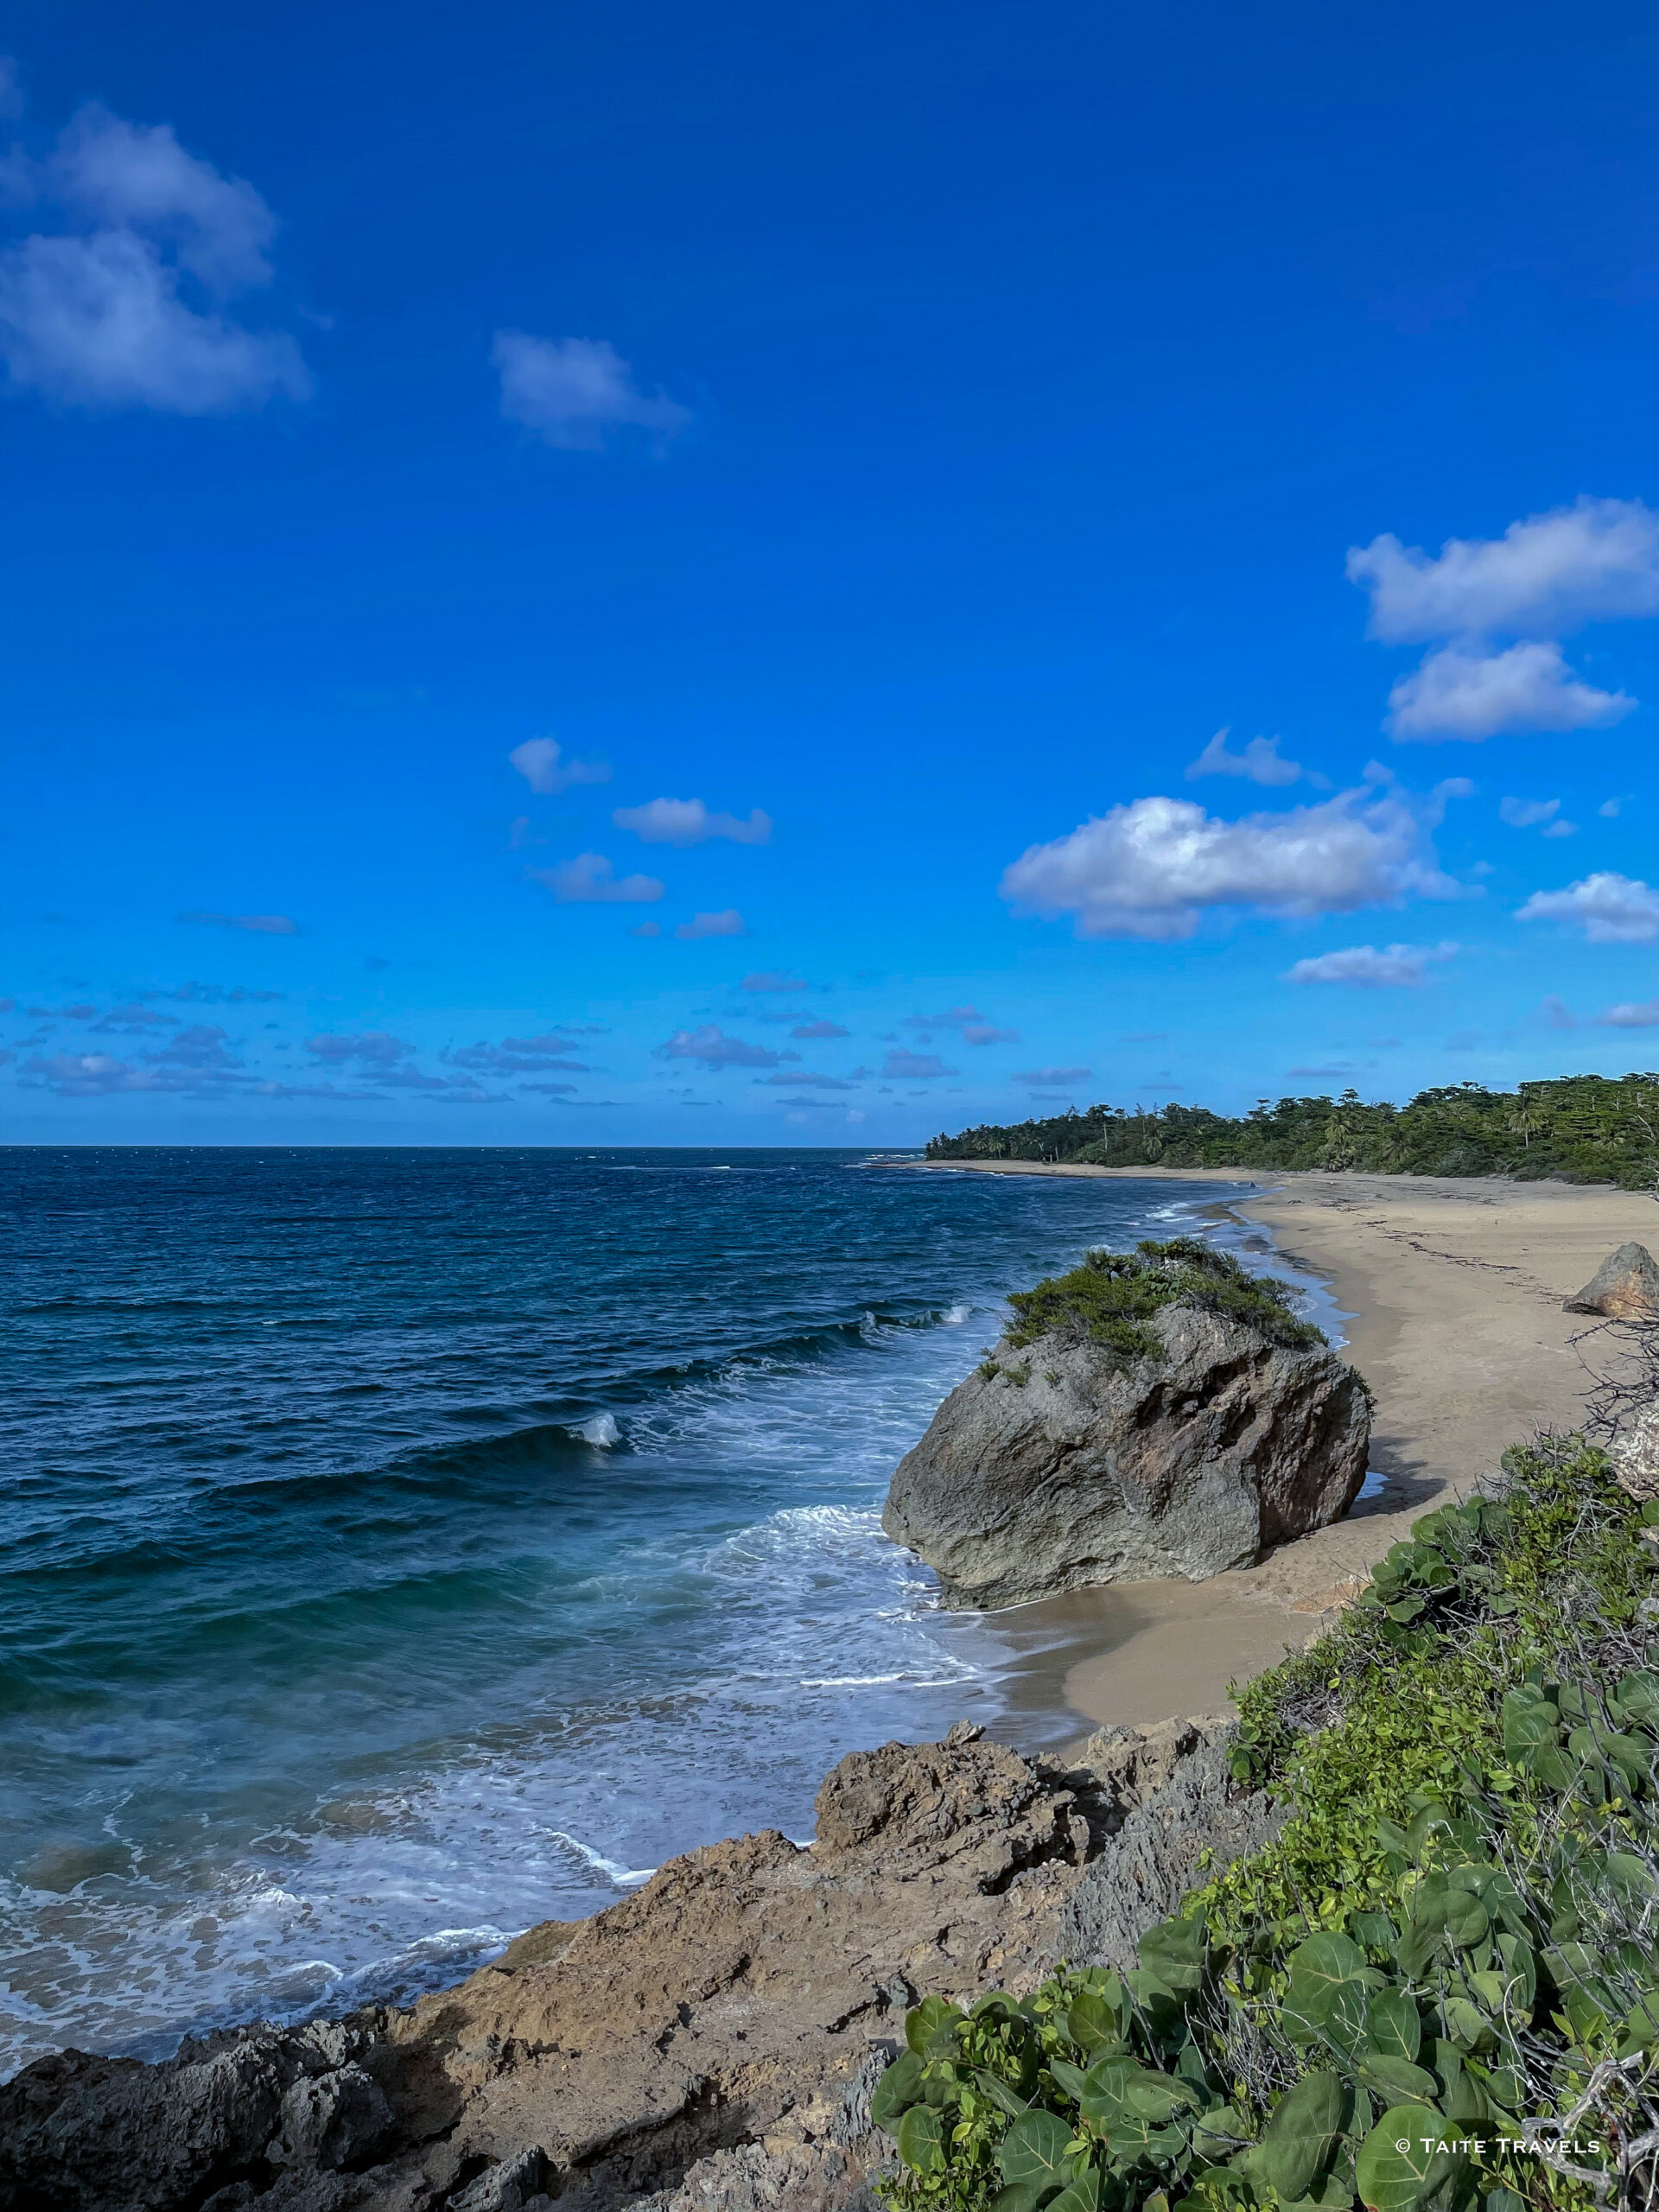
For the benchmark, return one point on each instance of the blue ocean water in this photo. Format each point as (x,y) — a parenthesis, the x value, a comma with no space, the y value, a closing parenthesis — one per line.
(397,1547)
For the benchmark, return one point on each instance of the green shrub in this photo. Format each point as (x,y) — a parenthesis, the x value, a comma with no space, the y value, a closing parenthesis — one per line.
(1113,1295)
(1455,1933)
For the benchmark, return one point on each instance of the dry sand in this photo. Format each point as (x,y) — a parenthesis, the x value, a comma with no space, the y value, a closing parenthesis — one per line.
(1454,1289)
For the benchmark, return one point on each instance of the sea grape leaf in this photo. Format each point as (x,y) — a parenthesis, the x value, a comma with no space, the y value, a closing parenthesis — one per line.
(1082,2195)
(1629,1877)
(1000,2094)
(1174,1953)
(929,2019)
(1396,2081)
(1375,1930)
(1299,2139)
(1092,2019)
(1073,2079)
(1392,2180)
(1034,2150)
(1018,2196)
(1637,1698)
(1467,2025)
(1394,2027)
(900,2087)
(921,2141)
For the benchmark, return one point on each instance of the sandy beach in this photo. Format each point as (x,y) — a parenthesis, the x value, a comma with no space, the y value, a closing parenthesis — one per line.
(1455,1291)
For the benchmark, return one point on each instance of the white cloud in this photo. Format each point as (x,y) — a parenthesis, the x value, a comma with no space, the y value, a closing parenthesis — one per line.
(122,307)
(260,924)
(1610,909)
(726,922)
(1630,1016)
(1528,813)
(771,979)
(981,1033)
(902,1064)
(375,1048)
(1464,692)
(588,881)
(576,392)
(1149,869)
(540,761)
(713,1048)
(818,1029)
(1048,1078)
(1259,763)
(1610,807)
(1367,967)
(687,822)
(1591,561)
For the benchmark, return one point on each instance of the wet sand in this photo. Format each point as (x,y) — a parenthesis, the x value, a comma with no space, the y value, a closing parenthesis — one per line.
(1454,1288)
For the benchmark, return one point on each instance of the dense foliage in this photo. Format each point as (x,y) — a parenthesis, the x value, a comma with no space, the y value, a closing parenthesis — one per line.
(1453,1939)
(1583,1127)
(1112,1296)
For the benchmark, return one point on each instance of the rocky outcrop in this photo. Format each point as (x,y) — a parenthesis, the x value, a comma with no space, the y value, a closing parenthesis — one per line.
(1624,1288)
(707,2045)
(1061,1463)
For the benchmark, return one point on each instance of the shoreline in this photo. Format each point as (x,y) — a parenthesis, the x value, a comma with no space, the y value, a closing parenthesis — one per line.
(1451,1290)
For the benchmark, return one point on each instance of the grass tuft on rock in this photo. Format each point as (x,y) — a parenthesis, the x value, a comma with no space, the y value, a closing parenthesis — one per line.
(1111,1298)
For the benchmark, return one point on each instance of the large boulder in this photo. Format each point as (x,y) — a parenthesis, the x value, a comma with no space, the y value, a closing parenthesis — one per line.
(1624,1288)
(1064,1463)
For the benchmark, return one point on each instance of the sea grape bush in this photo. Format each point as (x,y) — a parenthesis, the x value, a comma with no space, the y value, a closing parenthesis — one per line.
(1453,1939)
(1110,1298)
(1586,1129)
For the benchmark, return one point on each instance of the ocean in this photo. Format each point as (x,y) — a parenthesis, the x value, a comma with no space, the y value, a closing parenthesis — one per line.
(400,1547)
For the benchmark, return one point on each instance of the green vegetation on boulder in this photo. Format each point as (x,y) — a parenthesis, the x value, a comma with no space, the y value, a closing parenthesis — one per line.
(1113,1295)
(1455,1933)
(1586,1129)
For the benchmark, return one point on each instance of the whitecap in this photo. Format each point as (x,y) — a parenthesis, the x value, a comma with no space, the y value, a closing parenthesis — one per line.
(625,1877)
(601,1431)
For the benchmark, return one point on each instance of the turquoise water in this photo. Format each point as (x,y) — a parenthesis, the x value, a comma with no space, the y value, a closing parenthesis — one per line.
(400,1547)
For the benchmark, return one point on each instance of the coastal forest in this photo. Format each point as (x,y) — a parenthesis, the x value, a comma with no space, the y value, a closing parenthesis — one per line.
(1578,1128)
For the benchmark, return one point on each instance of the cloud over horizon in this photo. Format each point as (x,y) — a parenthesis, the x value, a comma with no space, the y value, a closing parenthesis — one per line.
(687,822)
(1150,869)
(541,762)
(1366,967)
(589,880)
(578,393)
(1609,908)
(122,303)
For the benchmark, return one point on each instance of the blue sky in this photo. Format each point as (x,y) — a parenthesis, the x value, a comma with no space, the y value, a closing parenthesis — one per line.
(662,576)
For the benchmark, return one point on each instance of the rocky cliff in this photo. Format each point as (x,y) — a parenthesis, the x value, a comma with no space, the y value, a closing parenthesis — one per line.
(1061,1461)
(708,2045)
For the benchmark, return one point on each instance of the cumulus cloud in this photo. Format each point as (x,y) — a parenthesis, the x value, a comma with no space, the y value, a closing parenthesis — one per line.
(646,929)
(1051,1079)
(135,1020)
(541,762)
(1363,965)
(1149,869)
(713,1048)
(1258,763)
(812,1082)
(970,1024)
(1591,561)
(259,924)
(824,1029)
(588,881)
(201,1047)
(216,993)
(122,303)
(578,393)
(375,1048)
(771,979)
(544,1055)
(902,1065)
(1631,1015)
(1610,909)
(726,922)
(687,822)
(99,1075)
(1528,813)
(1465,692)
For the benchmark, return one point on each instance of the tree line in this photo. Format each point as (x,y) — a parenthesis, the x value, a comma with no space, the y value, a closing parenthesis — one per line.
(1585,1128)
